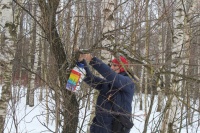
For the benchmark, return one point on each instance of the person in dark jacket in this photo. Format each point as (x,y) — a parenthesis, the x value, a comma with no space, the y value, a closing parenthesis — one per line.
(116,91)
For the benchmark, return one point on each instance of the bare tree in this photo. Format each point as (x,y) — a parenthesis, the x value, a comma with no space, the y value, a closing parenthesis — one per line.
(176,67)
(7,55)
(35,43)
(69,105)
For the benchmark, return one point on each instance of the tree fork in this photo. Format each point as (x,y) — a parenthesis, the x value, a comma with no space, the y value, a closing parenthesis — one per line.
(70,104)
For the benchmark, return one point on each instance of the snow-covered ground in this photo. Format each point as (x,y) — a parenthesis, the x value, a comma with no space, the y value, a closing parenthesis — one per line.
(27,119)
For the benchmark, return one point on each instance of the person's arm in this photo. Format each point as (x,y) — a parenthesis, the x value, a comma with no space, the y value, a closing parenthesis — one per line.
(117,80)
(92,80)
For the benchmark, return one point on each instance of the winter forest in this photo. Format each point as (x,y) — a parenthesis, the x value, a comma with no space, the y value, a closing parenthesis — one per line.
(38,48)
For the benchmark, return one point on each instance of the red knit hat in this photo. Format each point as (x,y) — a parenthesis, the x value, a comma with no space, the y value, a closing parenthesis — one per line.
(123,60)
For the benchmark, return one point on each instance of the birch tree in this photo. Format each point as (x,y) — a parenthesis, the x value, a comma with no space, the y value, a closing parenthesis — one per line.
(147,42)
(108,27)
(107,31)
(8,27)
(176,67)
(35,41)
(160,59)
(189,10)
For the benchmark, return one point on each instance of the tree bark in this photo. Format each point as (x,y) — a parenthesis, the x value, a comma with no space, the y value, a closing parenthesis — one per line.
(6,56)
(70,105)
(147,42)
(108,27)
(35,44)
(177,67)
(160,61)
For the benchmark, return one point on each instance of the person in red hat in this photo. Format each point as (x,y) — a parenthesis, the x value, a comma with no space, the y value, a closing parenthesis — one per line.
(116,90)
(119,66)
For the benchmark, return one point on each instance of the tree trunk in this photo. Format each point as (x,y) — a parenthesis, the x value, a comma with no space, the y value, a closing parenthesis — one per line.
(108,27)
(176,67)
(70,105)
(188,52)
(141,87)
(147,41)
(6,56)
(148,114)
(160,61)
(35,43)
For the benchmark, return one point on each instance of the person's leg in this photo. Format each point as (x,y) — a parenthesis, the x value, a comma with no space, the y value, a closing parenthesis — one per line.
(98,126)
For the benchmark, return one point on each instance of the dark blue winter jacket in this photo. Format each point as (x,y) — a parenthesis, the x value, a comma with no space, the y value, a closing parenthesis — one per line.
(119,86)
